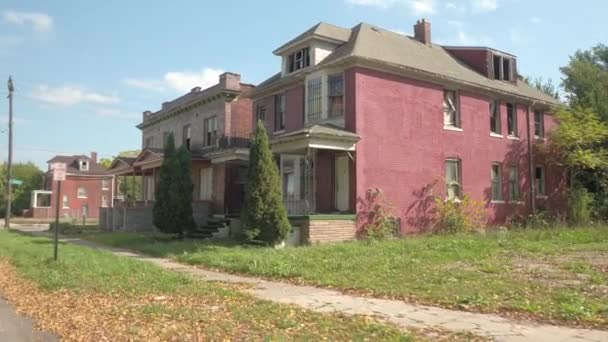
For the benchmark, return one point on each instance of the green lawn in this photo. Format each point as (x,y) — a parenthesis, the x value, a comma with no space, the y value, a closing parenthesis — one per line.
(129,299)
(554,274)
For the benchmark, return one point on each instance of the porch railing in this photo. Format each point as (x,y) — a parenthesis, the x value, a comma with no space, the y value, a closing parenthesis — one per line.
(297,206)
(233,140)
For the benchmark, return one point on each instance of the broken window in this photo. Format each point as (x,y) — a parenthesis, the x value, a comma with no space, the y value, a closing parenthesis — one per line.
(539,176)
(502,67)
(495,117)
(496,177)
(299,59)
(511,120)
(506,69)
(514,194)
(452,178)
(451,117)
(336,95)
(497,69)
(539,124)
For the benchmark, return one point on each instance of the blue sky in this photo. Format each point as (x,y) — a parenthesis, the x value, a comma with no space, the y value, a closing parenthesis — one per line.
(85,70)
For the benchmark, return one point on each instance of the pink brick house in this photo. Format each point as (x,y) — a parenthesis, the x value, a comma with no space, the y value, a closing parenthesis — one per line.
(361,108)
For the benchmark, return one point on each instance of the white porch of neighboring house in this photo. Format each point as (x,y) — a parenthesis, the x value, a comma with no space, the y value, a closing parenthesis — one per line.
(316,165)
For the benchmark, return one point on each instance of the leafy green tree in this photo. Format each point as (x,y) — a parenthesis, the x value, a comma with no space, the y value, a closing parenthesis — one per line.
(32,178)
(546,87)
(184,190)
(264,216)
(166,205)
(585,80)
(129,186)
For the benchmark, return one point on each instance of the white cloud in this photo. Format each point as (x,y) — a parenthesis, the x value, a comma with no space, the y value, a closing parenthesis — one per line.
(144,84)
(115,113)
(464,38)
(455,7)
(372,3)
(70,95)
(40,22)
(7,41)
(420,7)
(484,5)
(181,81)
(535,20)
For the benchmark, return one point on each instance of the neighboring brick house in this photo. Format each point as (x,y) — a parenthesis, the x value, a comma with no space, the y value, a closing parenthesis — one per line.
(361,108)
(215,125)
(88,186)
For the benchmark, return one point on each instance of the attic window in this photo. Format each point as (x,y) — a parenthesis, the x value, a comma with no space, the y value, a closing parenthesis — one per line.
(502,68)
(299,59)
(83,165)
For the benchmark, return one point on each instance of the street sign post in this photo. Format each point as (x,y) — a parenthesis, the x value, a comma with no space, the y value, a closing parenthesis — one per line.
(16,181)
(59,170)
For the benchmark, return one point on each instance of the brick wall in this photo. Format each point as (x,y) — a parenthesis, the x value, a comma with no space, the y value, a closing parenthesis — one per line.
(403,146)
(69,188)
(328,231)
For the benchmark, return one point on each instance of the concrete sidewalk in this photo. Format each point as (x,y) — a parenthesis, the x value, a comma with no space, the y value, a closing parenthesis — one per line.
(15,328)
(397,312)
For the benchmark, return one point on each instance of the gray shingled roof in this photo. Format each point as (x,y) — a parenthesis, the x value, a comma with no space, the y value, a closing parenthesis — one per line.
(321,30)
(375,44)
(72,166)
(324,129)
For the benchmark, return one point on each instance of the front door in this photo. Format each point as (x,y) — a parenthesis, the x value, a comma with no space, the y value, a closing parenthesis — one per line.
(342,183)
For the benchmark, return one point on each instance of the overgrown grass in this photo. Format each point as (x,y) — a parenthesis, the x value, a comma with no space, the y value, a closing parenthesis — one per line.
(552,274)
(222,311)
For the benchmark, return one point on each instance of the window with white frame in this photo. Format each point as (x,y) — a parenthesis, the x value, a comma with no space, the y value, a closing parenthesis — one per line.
(82,192)
(512,120)
(453,179)
(206,184)
(495,117)
(260,113)
(335,95)
(496,177)
(314,99)
(539,177)
(104,201)
(298,60)
(279,112)
(83,165)
(149,142)
(539,124)
(65,202)
(451,115)
(210,129)
(105,184)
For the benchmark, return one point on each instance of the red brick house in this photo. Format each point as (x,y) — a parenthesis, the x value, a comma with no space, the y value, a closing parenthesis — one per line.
(361,108)
(215,125)
(88,186)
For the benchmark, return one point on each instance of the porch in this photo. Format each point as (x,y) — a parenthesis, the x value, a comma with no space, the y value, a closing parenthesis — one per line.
(316,165)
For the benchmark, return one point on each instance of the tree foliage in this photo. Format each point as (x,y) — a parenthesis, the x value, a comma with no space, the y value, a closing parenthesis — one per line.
(171,193)
(32,178)
(586,80)
(264,216)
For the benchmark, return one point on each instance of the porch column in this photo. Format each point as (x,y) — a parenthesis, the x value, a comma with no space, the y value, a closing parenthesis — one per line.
(144,187)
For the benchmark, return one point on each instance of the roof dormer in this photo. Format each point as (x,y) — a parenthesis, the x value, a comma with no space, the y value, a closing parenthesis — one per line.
(311,47)
(83,164)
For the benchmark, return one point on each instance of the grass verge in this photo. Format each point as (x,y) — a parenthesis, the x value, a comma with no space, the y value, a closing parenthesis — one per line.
(555,275)
(92,295)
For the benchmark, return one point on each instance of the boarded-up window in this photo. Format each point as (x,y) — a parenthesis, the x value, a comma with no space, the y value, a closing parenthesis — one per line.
(452,178)
(206,184)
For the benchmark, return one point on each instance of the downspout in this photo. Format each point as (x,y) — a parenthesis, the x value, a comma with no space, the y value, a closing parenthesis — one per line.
(112,191)
(531,176)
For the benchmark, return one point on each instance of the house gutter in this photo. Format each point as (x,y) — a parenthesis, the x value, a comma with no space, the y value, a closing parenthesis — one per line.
(531,177)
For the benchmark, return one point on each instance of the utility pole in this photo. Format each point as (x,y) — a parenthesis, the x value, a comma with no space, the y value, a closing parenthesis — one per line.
(9,191)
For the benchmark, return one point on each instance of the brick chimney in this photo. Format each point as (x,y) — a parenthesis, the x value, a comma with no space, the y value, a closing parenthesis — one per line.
(230,80)
(422,31)
(94,157)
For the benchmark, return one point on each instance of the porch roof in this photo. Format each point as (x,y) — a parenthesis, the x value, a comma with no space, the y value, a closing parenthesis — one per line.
(325,136)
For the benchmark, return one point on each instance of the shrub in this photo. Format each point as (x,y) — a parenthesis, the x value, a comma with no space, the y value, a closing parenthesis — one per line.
(580,206)
(264,216)
(457,216)
(375,217)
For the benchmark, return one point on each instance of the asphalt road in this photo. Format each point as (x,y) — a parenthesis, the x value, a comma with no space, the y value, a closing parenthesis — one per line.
(15,328)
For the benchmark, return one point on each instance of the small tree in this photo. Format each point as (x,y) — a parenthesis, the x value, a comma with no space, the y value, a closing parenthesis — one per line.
(166,211)
(264,216)
(184,187)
